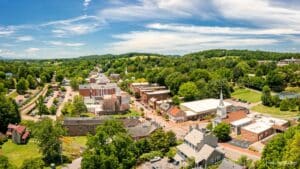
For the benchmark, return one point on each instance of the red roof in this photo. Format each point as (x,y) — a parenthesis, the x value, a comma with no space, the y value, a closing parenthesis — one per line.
(20,129)
(26,135)
(234,116)
(176,112)
(12,126)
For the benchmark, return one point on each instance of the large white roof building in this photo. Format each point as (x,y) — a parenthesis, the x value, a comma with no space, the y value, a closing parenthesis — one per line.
(202,106)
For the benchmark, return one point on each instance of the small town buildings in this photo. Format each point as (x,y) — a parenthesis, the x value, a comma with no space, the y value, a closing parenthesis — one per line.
(81,126)
(163,107)
(158,95)
(142,129)
(256,131)
(201,108)
(176,114)
(114,76)
(228,164)
(200,145)
(18,133)
(98,90)
(285,62)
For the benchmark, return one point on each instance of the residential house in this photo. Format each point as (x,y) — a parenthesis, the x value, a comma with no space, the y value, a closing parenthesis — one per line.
(201,146)
(18,133)
(176,114)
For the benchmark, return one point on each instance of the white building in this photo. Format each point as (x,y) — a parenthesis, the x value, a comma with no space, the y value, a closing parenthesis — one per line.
(200,145)
(201,108)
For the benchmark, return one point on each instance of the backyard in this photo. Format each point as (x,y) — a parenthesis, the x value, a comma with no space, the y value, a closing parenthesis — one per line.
(18,153)
(274,111)
(246,95)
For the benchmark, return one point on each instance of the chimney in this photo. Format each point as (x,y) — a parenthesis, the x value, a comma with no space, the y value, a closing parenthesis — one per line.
(197,126)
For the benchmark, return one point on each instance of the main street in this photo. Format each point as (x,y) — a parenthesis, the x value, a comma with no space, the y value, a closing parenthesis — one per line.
(180,129)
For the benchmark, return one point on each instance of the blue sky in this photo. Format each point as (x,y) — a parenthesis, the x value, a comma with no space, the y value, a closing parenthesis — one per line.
(72,28)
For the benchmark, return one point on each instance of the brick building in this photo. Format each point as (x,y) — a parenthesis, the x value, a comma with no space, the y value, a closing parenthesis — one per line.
(158,95)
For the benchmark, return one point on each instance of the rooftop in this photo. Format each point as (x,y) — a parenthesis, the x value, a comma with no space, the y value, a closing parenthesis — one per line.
(241,122)
(204,105)
(158,92)
(227,164)
(257,127)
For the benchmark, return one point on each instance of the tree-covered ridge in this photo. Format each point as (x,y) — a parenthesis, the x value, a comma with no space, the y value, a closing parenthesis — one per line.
(244,54)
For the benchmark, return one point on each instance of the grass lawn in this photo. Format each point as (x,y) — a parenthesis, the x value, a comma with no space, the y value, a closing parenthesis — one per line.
(293,89)
(246,94)
(73,146)
(274,111)
(18,153)
(13,94)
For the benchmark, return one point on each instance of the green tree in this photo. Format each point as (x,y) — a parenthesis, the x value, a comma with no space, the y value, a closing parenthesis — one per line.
(59,77)
(48,136)
(222,131)
(9,113)
(266,97)
(42,108)
(4,163)
(79,106)
(111,147)
(31,82)
(22,86)
(176,100)
(284,105)
(189,91)
(33,163)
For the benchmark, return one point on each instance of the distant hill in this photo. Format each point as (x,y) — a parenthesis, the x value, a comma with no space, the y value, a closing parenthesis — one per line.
(244,54)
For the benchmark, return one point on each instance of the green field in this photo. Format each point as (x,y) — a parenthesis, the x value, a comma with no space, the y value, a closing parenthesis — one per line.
(73,146)
(247,95)
(274,111)
(13,94)
(18,153)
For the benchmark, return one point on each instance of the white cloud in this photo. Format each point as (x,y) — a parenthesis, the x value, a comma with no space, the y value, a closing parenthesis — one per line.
(171,42)
(6,52)
(6,31)
(86,3)
(222,30)
(24,38)
(32,50)
(263,13)
(159,9)
(75,26)
(59,43)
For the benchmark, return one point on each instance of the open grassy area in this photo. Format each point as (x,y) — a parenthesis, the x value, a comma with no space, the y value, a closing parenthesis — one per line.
(246,94)
(293,89)
(13,94)
(74,146)
(18,153)
(274,111)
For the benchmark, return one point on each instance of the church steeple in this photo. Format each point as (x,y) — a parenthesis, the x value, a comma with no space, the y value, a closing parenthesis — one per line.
(221,109)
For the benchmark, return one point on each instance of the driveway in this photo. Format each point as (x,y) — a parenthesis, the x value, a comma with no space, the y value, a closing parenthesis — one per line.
(76,164)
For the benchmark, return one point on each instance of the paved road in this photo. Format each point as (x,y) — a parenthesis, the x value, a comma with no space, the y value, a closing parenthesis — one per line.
(50,101)
(68,96)
(76,164)
(31,105)
(235,153)
(180,129)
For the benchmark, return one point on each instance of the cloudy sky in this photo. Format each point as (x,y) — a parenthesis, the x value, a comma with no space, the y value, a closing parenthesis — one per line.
(72,28)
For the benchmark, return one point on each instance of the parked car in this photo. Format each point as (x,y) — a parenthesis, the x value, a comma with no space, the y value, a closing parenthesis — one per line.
(155,159)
